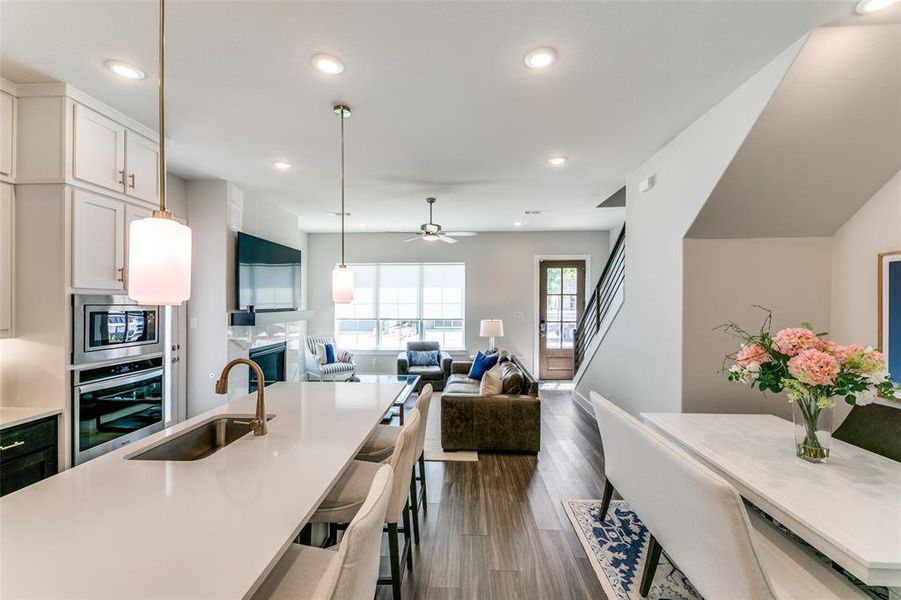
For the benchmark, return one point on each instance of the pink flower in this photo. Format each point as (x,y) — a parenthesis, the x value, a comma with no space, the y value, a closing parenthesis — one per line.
(814,367)
(837,351)
(752,353)
(853,349)
(793,340)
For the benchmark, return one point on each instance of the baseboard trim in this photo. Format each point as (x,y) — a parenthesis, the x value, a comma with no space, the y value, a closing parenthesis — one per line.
(583,403)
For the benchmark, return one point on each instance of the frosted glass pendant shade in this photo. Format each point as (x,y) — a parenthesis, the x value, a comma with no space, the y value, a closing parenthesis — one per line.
(342,285)
(159,261)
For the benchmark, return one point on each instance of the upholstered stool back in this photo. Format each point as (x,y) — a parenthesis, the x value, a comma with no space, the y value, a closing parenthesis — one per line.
(422,405)
(402,462)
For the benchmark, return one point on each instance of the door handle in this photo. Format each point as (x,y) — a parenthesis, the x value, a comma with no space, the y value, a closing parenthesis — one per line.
(131,180)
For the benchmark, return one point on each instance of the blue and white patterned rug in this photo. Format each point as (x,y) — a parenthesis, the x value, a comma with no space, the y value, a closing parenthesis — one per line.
(617,549)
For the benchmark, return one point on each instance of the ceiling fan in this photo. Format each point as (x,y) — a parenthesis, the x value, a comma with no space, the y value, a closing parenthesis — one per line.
(431,232)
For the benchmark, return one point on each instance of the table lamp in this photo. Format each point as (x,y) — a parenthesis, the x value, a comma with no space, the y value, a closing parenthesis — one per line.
(491,328)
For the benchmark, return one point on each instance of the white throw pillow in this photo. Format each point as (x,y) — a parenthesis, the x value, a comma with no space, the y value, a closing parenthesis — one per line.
(492,381)
(320,353)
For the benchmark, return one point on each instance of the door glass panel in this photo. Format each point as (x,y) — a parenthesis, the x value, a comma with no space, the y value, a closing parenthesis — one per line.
(553,308)
(552,340)
(568,330)
(570,281)
(553,281)
(569,308)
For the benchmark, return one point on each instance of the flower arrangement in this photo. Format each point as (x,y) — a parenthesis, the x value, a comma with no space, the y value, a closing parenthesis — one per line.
(812,370)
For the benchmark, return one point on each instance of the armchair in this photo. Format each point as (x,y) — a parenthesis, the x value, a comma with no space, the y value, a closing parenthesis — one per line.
(343,369)
(436,375)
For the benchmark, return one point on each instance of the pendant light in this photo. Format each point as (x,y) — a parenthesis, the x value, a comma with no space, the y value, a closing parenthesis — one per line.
(342,277)
(159,248)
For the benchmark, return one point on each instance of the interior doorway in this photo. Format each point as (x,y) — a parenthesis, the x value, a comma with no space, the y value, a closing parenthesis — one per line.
(561,301)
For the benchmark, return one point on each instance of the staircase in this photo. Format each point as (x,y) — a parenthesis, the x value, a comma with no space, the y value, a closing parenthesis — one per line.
(602,307)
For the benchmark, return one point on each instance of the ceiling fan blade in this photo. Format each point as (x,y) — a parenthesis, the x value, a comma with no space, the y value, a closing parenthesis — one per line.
(461,233)
(447,240)
(412,239)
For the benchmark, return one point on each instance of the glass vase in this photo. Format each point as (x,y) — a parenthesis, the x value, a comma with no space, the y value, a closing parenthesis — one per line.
(813,430)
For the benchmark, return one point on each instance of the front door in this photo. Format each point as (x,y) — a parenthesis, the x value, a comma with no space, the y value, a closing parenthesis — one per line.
(562,300)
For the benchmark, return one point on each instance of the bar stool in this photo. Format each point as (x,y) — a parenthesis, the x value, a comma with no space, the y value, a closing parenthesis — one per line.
(348,494)
(380,445)
(343,572)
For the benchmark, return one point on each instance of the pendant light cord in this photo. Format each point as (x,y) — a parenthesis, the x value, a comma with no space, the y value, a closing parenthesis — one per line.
(162,110)
(342,186)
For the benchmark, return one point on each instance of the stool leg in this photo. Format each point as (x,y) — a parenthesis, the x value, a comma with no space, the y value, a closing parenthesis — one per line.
(425,495)
(395,560)
(650,567)
(407,546)
(414,506)
(605,500)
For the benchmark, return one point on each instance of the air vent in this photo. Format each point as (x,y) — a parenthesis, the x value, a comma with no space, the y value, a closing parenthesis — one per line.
(533,212)
(338,214)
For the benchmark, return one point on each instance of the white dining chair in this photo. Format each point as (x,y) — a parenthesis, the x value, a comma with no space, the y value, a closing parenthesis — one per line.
(699,519)
(380,445)
(348,494)
(347,571)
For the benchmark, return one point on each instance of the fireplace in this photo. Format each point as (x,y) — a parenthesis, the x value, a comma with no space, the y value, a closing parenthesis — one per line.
(272,361)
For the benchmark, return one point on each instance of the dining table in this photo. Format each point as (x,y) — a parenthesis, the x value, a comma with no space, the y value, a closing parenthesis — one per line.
(848,508)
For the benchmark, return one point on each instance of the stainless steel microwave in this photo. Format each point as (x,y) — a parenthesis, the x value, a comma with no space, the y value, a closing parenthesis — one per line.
(113,327)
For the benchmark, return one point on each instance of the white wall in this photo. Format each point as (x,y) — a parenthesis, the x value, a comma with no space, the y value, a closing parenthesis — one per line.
(639,364)
(500,273)
(722,280)
(875,228)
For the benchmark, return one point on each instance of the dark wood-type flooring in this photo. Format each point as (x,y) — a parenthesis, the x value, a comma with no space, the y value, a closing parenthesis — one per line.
(496,528)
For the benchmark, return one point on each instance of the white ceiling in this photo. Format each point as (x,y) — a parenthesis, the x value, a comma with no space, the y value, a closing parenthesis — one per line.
(442,103)
(827,141)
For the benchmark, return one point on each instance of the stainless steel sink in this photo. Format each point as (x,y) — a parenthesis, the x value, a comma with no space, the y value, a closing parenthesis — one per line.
(201,440)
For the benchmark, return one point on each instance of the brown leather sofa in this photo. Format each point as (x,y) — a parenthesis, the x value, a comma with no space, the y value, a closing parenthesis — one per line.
(507,422)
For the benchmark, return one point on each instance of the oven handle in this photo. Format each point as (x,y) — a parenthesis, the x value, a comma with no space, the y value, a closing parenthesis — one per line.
(117,381)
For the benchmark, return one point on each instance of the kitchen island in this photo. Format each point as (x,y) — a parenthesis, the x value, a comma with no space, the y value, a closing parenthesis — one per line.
(210,528)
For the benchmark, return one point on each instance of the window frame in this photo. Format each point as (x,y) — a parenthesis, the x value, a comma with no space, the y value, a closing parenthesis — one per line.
(420,302)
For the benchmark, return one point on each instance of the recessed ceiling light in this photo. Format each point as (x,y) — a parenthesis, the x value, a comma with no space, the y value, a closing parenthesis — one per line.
(865,7)
(517,224)
(282,165)
(124,70)
(328,64)
(557,161)
(540,58)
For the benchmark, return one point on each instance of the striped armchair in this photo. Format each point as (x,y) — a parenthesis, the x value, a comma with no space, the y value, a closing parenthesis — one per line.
(317,369)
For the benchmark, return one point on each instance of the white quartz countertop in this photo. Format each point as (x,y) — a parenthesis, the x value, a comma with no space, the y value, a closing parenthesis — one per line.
(10,416)
(211,528)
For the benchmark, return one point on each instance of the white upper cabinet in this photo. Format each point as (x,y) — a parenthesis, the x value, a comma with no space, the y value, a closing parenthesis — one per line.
(133,213)
(7,228)
(142,160)
(7,133)
(98,242)
(99,153)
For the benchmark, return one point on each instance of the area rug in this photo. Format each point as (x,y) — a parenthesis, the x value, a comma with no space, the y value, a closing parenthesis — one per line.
(617,549)
(432,449)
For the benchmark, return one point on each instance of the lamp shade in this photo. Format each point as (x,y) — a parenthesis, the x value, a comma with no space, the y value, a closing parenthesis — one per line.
(159,261)
(342,285)
(491,328)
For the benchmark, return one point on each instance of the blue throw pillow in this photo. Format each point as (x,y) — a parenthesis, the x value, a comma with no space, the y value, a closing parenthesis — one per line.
(422,358)
(329,354)
(482,364)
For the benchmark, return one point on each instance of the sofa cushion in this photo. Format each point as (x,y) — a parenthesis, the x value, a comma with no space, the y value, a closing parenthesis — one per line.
(512,377)
(459,378)
(423,358)
(463,386)
(428,373)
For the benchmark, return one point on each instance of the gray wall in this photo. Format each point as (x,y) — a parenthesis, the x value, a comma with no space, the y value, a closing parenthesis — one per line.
(500,278)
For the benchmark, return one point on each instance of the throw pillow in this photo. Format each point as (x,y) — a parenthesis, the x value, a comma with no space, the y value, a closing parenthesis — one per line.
(492,382)
(422,358)
(481,364)
(320,352)
(512,377)
(329,354)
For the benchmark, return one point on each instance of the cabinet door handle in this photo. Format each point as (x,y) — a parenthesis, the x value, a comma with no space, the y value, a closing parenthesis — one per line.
(13,445)
(131,180)
(120,274)
(122,177)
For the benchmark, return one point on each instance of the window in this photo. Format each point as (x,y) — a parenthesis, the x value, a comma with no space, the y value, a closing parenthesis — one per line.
(397,303)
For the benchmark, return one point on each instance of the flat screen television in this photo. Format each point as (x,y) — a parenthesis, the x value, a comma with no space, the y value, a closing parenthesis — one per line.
(267,275)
